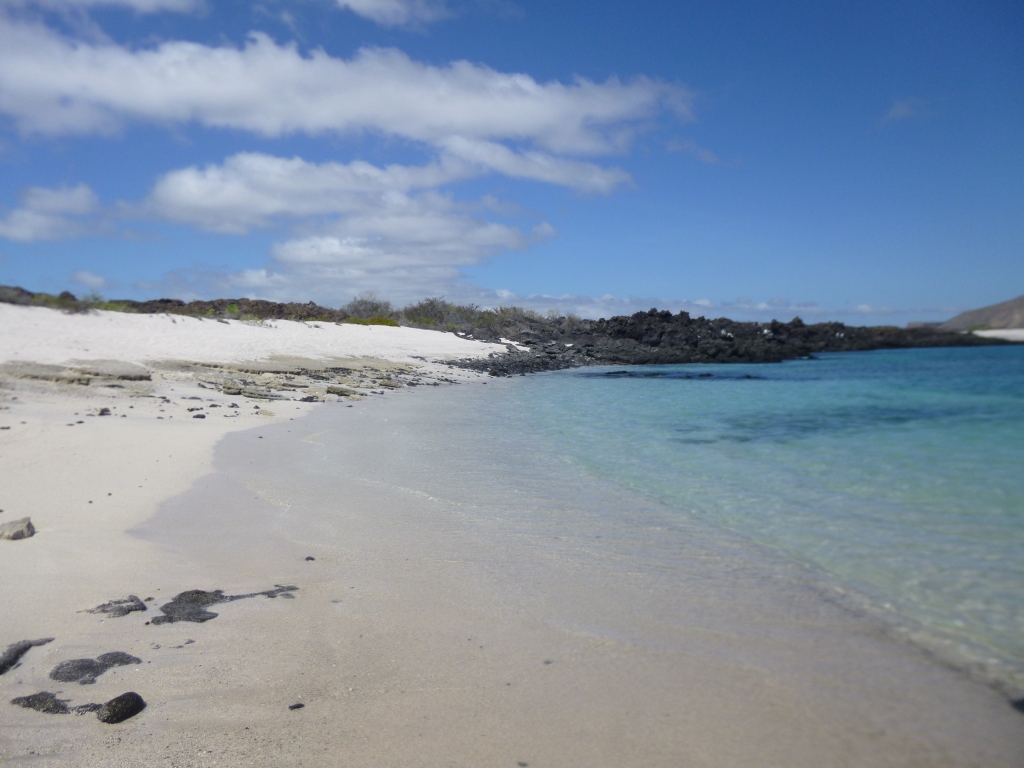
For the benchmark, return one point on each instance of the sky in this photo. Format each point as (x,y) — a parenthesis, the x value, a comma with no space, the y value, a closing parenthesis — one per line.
(858,161)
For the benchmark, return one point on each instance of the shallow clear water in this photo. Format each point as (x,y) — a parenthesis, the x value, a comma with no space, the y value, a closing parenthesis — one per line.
(899,474)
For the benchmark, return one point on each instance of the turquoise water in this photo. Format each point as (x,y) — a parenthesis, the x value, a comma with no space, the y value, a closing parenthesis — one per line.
(898,474)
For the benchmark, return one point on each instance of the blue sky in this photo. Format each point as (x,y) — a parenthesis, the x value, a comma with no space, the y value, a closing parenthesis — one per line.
(860,161)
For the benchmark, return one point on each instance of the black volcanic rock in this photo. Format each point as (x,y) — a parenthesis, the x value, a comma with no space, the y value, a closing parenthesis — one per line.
(652,338)
(120,708)
(192,605)
(12,653)
(122,607)
(85,671)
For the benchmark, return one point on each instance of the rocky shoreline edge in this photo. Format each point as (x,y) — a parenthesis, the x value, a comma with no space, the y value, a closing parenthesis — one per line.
(659,338)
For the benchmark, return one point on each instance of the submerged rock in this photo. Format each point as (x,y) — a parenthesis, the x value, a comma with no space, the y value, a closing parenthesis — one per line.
(17,529)
(115,609)
(120,708)
(13,652)
(192,605)
(85,671)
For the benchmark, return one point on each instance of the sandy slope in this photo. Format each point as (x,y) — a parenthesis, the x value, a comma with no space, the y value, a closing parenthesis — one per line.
(48,336)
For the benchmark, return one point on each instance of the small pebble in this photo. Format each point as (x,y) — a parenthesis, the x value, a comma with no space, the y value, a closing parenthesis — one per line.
(310,558)
(297,705)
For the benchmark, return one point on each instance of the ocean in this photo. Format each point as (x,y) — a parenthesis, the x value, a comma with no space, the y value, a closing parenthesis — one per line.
(895,477)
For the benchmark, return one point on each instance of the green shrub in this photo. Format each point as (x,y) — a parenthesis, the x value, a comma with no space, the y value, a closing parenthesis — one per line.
(367,306)
(372,321)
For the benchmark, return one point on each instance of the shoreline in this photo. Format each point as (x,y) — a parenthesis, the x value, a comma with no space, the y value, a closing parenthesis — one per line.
(411,574)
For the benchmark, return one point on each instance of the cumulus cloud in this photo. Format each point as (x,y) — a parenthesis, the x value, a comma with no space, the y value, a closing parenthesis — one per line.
(49,214)
(54,85)
(250,189)
(392,13)
(405,246)
(539,166)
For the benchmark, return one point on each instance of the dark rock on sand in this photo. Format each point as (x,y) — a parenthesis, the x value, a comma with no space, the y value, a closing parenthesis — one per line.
(17,529)
(43,701)
(1018,705)
(120,708)
(115,609)
(310,558)
(13,652)
(297,705)
(192,605)
(85,671)
(49,704)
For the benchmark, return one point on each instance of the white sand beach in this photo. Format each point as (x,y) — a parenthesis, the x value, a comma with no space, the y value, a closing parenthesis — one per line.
(1010,334)
(432,626)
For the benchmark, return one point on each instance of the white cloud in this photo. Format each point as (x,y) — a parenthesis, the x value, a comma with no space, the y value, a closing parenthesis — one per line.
(45,214)
(139,6)
(402,245)
(54,85)
(249,189)
(539,166)
(90,280)
(392,13)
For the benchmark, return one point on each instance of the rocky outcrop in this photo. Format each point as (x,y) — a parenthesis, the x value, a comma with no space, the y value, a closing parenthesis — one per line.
(660,337)
(17,529)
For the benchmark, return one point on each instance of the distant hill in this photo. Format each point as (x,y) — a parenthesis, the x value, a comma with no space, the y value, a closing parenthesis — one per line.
(1008,314)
